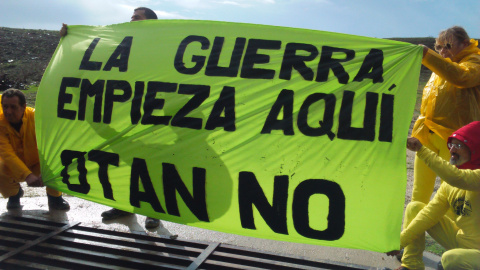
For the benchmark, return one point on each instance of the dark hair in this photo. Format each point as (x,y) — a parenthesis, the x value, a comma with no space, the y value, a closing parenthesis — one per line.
(15,93)
(149,14)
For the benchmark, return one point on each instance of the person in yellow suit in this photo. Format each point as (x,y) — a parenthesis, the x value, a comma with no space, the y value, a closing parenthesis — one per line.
(19,161)
(460,193)
(451,99)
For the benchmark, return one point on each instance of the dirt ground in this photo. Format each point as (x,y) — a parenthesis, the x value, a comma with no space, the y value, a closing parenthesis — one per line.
(410,163)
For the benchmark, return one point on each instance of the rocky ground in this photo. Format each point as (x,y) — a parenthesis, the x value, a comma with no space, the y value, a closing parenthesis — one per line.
(24,55)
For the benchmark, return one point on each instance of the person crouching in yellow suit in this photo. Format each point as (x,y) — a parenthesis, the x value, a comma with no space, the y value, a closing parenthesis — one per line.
(19,161)
(460,193)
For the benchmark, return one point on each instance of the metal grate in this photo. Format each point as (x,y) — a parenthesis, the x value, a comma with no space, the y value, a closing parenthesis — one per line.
(31,243)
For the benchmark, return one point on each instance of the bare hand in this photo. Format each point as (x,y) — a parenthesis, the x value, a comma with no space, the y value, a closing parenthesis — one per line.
(34,181)
(413,144)
(393,252)
(425,50)
(63,31)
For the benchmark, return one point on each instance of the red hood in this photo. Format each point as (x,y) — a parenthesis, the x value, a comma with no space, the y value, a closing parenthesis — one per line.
(470,136)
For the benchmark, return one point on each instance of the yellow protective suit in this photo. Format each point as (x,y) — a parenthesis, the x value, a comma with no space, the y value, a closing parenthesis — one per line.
(451,99)
(460,192)
(19,154)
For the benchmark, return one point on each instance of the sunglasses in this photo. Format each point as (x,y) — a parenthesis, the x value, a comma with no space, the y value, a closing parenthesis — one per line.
(455,145)
(439,48)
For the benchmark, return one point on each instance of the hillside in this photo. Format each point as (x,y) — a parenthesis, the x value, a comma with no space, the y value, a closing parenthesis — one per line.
(25,53)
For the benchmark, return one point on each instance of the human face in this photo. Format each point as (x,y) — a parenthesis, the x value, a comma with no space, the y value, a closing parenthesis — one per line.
(12,109)
(138,15)
(459,152)
(450,49)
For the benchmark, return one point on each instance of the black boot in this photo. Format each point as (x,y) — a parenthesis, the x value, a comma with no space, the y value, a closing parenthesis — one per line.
(151,223)
(14,201)
(114,214)
(400,255)
(57,203)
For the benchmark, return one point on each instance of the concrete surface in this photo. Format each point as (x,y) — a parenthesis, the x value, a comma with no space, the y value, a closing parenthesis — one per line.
(88,213)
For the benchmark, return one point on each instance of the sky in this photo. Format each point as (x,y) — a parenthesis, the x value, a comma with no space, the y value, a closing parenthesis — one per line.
(371,18)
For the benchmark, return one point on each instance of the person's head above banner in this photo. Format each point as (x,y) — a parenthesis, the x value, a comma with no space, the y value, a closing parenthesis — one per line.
(139,14)
(143,13)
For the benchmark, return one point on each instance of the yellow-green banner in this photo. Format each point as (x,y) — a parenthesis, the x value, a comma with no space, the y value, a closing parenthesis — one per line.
(281,133)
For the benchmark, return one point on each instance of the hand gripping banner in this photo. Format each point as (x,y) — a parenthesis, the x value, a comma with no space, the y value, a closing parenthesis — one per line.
(280,133)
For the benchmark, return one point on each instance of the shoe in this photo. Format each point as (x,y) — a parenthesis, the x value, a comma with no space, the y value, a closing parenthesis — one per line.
(151,223)
(114,214)
(14,201)
(57,203)
(399,255)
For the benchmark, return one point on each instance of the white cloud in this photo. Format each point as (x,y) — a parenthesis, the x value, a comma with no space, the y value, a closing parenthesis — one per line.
(214,4)
(169,15)
(191,4)
(233,3)
(117,11)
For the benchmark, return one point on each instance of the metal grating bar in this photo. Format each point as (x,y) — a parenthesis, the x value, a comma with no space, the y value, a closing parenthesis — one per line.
(150,246)
(115,256)
(202,257)
(61,246)
(136,236)
(87,261)
(27,260)
(35,220)
(37,241)
(228,253)
(15,265)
